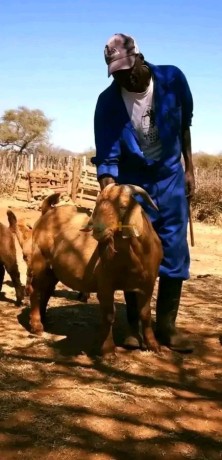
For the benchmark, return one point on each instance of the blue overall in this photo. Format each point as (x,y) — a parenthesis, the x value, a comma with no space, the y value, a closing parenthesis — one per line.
(118,154)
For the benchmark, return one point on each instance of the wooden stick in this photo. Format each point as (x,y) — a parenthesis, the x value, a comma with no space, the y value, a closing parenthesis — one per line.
(191,225)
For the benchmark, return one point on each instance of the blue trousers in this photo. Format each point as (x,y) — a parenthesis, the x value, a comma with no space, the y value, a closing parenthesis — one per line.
(170,222)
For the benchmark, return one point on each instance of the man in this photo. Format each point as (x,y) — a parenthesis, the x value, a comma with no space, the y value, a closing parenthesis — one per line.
(142,126)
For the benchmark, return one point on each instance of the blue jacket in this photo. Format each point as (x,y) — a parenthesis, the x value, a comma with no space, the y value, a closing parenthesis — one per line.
(117,148)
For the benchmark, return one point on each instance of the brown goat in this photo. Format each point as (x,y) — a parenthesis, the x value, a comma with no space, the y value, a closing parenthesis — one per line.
(122,252)
(23,231)
(8,262)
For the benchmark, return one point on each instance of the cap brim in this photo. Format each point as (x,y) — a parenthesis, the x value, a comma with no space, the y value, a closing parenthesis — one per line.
(121,64)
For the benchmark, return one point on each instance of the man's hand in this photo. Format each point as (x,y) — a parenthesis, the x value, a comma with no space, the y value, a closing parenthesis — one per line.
(187,154)
(105,180)
(190,184)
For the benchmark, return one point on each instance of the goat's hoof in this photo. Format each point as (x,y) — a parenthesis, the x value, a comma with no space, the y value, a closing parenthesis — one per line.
(107,350)
(154,346)
(36,328)
(108,355)
(20,294)
(19,300)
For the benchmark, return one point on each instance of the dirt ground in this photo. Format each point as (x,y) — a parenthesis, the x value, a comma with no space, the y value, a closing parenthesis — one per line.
(59,402)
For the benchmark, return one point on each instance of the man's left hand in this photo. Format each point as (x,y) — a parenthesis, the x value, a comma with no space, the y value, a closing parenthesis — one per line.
(190,184)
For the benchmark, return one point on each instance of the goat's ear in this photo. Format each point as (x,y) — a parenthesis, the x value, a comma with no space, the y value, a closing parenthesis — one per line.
(132,224)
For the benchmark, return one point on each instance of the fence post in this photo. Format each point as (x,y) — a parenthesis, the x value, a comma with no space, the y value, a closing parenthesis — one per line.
(75,178)
(18,164)
(84,161)
(31,162)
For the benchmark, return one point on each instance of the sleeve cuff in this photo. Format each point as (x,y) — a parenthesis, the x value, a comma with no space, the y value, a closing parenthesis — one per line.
(111,170)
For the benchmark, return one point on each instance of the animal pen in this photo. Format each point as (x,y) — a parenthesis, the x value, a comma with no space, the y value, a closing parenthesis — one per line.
(31,178)
(48,174)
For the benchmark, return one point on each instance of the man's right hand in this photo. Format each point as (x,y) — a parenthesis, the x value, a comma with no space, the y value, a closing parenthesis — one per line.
(105,180)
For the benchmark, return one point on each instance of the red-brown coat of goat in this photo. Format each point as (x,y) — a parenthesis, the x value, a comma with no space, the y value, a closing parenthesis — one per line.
(117,249)
(8,262)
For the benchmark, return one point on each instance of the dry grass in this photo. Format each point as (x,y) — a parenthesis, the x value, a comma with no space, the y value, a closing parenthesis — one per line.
(6,185)
(207,205)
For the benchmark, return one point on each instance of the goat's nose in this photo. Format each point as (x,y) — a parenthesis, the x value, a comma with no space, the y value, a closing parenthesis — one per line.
(98,228)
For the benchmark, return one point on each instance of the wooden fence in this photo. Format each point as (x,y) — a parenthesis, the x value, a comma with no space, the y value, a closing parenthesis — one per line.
(88,188)
(67,174)
(40,182)
(11,161)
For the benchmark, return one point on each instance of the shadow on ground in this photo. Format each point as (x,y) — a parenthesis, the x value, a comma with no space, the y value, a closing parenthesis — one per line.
(78,325)
(59,402)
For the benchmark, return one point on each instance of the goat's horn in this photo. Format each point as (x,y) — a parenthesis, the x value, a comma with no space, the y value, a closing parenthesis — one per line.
(144,194)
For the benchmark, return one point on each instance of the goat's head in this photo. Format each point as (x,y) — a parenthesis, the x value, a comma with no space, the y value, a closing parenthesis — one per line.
(117,211)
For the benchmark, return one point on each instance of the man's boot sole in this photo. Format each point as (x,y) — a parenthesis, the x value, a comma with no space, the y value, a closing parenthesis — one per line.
(133,343)
(188,348)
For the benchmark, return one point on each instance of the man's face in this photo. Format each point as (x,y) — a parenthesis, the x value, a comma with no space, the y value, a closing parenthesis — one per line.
(133,79)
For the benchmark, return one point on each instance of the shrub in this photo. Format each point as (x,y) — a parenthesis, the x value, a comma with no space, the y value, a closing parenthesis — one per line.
(204,161)
(207,204)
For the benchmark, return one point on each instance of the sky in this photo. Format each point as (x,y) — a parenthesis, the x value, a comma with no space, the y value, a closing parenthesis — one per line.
(52,59)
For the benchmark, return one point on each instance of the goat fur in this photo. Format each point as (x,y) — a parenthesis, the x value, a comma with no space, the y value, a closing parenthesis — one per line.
(101,261)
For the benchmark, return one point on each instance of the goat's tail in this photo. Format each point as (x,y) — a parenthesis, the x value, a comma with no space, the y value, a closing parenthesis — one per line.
(13,226)
(21,230)
(49,202)
(12,220)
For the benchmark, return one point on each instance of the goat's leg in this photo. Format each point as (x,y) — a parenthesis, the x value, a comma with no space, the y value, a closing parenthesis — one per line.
(42,287)
(13,271)
(144,307)
(49,286)
(2,274)
(133,339)
(106,299)
(28,284)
